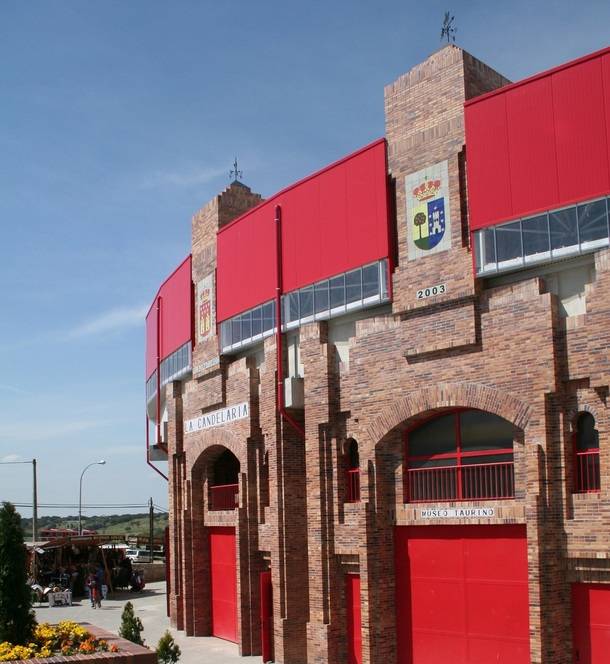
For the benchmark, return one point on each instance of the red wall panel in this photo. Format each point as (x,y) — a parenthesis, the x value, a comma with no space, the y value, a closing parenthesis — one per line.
(176,322)
(540,143)
(223,583)
(332,221)
(462,594)
(591,623)
(485,126)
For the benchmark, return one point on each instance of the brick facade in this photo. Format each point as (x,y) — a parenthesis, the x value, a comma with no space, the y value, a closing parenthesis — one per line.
(503,349)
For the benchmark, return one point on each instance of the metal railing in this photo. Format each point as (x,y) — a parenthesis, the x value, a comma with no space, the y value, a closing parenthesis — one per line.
(353,485)
(587,472)
(223,497)
(490,481)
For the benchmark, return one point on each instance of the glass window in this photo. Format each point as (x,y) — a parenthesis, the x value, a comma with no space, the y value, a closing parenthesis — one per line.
(484,431)
(432,463)
(337,291)
(246,325)
(353,286)
(370,280)
(321,297)
(535,235)
(486,248)
(564,233)
(434,437)
(257,321)
(508,241)
(225,334)
(306,301)
(592,221)
(268,316)
(236,329)
(293,306)
(587,436)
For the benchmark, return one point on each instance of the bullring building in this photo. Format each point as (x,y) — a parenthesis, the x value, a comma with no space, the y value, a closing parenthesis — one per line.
(383,392)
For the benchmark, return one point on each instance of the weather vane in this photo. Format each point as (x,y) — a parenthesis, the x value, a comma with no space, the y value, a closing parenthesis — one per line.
(448,29)
(234,173)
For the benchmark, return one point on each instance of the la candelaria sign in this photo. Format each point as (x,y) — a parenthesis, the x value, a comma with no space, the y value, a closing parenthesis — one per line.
(217,418)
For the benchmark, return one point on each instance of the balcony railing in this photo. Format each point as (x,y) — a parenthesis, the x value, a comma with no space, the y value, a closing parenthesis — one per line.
(223,497)
(489,481)
(587,472)
(353,485)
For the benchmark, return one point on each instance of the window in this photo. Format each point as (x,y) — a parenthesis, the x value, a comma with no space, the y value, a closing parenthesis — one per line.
(355,290)
(353,472)
(545,237)
(586,452)
(224,482)
(463,455)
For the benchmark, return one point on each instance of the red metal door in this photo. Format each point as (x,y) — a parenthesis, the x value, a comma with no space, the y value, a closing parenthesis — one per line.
(591,623)
(223,583)
(462,595)
(266,617)
(354,621)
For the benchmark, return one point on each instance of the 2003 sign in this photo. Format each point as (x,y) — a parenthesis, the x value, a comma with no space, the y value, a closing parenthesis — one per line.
(439,289)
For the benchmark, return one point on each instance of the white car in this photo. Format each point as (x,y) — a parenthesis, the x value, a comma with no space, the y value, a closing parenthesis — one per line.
(137,555)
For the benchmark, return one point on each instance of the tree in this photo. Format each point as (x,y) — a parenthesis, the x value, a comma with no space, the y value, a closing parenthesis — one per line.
(131,625)
(168,652)
(16,616)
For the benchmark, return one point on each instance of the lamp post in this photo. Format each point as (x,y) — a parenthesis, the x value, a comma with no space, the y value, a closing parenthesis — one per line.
(80,494)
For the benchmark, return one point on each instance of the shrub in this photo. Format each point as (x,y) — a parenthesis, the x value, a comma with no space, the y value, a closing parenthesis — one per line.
(168,652)
(16,617)
(131,625)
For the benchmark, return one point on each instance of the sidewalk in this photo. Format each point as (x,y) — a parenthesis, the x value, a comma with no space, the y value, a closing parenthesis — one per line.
(149,606)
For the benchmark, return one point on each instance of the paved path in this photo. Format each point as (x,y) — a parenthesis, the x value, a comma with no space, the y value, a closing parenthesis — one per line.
(150,607)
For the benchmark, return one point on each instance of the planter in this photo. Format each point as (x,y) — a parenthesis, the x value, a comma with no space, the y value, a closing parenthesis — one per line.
(128,653)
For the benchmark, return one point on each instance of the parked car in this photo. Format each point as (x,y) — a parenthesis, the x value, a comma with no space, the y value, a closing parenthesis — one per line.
(137,555)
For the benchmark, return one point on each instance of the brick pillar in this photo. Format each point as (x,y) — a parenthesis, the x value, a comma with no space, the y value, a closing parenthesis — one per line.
(173,395)
(287,516)
(325,575)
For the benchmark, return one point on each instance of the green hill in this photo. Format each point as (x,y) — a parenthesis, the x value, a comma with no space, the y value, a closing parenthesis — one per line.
(110,524)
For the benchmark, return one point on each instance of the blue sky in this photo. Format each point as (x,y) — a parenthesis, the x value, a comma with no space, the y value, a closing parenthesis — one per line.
(118,120)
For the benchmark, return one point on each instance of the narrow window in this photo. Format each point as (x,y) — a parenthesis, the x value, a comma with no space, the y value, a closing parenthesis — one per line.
(586,452)
(353,472)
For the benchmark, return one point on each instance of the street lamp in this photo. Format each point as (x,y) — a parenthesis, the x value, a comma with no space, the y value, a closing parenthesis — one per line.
(80,494)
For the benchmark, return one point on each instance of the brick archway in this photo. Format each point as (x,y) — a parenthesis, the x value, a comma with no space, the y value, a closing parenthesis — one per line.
(211,443)
(447,395)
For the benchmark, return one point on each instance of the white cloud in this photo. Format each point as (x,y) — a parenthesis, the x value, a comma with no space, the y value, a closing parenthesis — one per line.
(111,321)
(12,389)
(9,458)
(187,178)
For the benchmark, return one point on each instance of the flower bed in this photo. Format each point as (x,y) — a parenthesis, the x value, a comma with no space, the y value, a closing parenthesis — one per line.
(66,638)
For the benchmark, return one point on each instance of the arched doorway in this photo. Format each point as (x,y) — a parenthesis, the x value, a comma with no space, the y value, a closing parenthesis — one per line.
(461,590)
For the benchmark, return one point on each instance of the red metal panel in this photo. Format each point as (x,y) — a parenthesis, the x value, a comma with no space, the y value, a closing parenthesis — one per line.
(266,591)
(591,623)
(605,60)
(487,162)
(558,127)
(176,295)
(354,619)
(461,594)
(531,141)
(223,583)
(246,263)
(580,131)
(333,221)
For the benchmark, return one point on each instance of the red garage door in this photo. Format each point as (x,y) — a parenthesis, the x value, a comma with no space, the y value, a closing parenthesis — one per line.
(354,619)
(461,595)
(223,583)
(591,623)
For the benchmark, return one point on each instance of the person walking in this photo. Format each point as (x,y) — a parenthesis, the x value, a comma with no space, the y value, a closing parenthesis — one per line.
(94,589)
(100,580)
